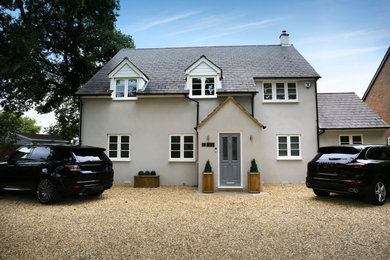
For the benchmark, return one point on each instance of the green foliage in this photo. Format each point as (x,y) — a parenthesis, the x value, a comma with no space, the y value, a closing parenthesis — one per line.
(10,124)
(153,173)
(254,166)
(49,48)
(67,121)
(207,167)
(147,173)
(141,173)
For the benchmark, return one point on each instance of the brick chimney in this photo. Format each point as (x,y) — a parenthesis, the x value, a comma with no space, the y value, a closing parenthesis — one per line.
(284,39)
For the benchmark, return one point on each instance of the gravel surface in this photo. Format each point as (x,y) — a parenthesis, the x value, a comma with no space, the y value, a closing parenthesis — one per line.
(173,223)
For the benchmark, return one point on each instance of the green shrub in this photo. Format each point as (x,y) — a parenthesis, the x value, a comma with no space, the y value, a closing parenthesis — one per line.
(141,173)
(153,173)
(147,172)
(254,166)
(207,167)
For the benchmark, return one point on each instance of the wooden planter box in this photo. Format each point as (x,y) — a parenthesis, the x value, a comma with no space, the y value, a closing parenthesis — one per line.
(254,182)
(146,181)
(208,182)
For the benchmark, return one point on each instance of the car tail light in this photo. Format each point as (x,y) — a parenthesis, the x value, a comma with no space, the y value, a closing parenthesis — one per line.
(355,183)
(308,178)
(356,165)
(73,168)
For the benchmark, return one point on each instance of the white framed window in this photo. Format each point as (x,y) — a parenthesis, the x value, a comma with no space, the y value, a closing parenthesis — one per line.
(289,147)
(280,91)
(203,87)
(350,139)
(182,148)
(126,88)
(119,147)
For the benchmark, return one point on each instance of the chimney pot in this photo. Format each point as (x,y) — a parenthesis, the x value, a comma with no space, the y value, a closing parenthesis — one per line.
(284,39)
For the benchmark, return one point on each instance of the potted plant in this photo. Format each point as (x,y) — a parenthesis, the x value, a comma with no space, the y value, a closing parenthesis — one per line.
(208,178)
(254,180)
(146,179)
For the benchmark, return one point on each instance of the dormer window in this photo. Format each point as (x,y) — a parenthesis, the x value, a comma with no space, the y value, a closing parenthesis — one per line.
(126,88)
(203,79)
(126,80)
(203,86)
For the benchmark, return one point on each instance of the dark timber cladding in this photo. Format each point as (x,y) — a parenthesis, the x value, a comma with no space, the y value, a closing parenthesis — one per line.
(165,67)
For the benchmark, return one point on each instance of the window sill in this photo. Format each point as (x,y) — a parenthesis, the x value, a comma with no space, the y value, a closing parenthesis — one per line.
(281,101)
(203,97)
(289,158)
(125,99)
(120,159)
(181,160)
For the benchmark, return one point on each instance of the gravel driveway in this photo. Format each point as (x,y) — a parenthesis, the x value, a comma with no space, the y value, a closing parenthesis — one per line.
(170,222)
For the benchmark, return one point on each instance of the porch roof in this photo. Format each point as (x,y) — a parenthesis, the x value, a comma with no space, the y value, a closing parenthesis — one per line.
(230,98)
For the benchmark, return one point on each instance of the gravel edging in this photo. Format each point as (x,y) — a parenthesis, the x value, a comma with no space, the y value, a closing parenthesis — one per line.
(173,223)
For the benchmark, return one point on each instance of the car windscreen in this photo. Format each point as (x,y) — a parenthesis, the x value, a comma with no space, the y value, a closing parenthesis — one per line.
(338,154)
(89,155)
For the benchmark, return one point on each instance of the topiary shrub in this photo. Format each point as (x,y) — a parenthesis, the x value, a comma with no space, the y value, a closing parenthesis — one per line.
(153,173)
(207,167)
(254,166)
(147,172)
(141,173)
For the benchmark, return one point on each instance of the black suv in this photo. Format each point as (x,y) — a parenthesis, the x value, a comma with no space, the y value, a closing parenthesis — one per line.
(55,170)
(356,169)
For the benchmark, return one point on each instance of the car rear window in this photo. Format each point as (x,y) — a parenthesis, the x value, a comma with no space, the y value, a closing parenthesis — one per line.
(338,154)
(89,155)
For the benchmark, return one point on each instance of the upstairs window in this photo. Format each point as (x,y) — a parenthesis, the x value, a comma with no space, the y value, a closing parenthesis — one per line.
(203,87)
(280,91)
(126,88)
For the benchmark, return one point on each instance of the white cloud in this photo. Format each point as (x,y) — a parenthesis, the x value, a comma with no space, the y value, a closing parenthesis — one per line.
(337,53)
(349,36)
(237,28)
(151,24)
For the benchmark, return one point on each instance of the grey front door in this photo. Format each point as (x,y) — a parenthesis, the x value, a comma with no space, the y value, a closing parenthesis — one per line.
(230,160)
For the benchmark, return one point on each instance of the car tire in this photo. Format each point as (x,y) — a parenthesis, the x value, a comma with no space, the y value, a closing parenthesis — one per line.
(378,192)
(96,193)
(47,192)
(321,193)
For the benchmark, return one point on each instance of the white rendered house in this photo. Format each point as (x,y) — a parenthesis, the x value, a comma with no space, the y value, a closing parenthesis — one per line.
(172,109)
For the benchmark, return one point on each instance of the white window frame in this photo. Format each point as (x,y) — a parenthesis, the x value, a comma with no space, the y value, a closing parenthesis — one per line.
(118,158)
(289,156)
(274,99)
(350,138)
(182,159)
(203,87)
(126,97)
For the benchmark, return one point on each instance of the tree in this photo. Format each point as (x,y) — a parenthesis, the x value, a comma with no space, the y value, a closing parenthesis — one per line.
(10,124)
(49,48)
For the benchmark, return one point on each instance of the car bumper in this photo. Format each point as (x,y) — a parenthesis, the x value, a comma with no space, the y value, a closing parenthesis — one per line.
(349,187)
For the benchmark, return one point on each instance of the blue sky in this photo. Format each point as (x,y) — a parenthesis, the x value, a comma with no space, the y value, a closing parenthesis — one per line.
(344,41)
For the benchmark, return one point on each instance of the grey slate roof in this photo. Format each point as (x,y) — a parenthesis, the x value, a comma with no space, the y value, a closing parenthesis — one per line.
(42,137)
(165,67)
(346,110)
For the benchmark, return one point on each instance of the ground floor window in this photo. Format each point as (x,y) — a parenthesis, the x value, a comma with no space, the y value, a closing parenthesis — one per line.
(119,147)
(289,146)
(181,147)
(350,139)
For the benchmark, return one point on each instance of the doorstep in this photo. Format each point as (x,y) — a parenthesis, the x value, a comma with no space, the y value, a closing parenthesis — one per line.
(229,194)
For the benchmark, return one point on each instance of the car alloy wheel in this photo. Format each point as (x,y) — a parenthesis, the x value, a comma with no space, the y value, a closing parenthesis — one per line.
(45,191)
(380,191)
